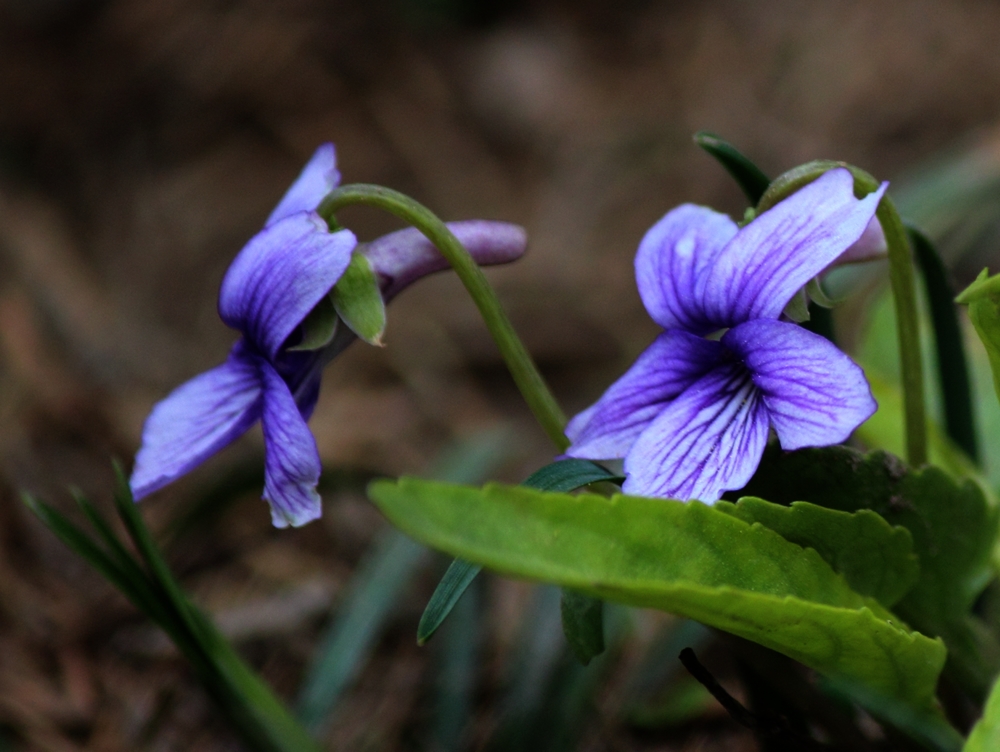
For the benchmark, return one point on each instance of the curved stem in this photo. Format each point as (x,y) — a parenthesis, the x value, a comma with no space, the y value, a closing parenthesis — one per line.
(904,296)
(533,388)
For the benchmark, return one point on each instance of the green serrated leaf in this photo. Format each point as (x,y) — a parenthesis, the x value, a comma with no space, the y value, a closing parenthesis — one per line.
(319,326)
(583,624)
(563,475)
(358,300)
(749,176)
(985,735)
(952,521)
(685,558)
(874,557)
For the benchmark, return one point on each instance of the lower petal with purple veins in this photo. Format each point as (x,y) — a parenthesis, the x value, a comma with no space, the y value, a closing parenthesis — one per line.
(666,368)
(292,464)
(196,420)
(708,440)
(814,394)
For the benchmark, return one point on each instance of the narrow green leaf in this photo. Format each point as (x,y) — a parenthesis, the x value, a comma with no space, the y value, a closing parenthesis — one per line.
(684,558)
(564,475)
(449,591)
(81,544)
(953,369)
(358,300)
(582,615)
(985,736)
(875,558)
(569,475)
(319,326)
(749,176)
(260,718)
(456,671)
(583,624)
(141,592)
(143,541)
(374,591)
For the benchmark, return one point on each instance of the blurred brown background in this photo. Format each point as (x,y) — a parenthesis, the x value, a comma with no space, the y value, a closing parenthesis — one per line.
(142,143)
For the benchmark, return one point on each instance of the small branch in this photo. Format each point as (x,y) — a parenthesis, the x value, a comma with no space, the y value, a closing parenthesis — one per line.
(775,728)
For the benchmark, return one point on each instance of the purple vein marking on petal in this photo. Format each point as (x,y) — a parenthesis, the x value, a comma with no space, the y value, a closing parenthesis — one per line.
(317,179)
(814,394)
(404,256)
(673,258)
(279,277)
(195,421)
(672,363)
(292,464)
(767,261)
(708,440)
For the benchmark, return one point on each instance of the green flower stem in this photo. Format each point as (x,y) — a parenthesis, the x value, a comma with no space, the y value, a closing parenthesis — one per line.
(534,389)
(902,281)
(904,295)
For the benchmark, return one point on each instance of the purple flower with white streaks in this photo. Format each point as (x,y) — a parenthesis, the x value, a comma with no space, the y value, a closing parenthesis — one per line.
(271,287)
(692,416)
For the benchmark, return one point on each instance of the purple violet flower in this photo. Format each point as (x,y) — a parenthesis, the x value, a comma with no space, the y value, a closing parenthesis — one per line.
(691,417)
(272,285)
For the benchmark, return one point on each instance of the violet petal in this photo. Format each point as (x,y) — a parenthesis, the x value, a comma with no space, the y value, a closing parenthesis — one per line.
(666,368)
(870,246)
(815,395)
(317,179)
(708,440)
(280,275)
(404,256)
(292,464)
(767,262)
(195,421)
(673,260)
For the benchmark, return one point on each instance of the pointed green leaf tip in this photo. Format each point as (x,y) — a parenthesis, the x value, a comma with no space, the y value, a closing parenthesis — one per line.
(684,558)
(983,299)
(358,300)
(749,176)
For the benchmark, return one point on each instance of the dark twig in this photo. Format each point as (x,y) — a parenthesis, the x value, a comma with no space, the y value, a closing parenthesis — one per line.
(733,706)
(771,728)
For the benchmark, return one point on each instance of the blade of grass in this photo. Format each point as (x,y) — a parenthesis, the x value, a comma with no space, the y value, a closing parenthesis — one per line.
(375,589)
(953,370)
(449,591)
(373,592)
(456,674)
(747,175)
